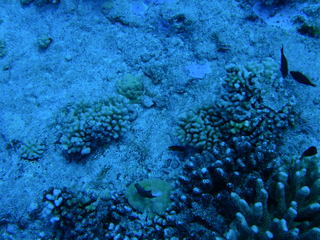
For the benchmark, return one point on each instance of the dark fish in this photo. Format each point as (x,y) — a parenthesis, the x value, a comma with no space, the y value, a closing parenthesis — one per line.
(144,193)
(185,149)
(301,78)
(284,64)
(177,148)
(311,151)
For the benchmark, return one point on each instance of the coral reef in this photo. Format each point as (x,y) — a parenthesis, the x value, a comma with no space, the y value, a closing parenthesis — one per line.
(84,126)
(233,184)
(125,223)
(237,137)
(72,215)
(79,216)
(240,123)
(286,207)
(282,206)
(206,182)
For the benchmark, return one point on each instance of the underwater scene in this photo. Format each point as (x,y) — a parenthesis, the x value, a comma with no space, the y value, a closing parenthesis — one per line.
(159,119)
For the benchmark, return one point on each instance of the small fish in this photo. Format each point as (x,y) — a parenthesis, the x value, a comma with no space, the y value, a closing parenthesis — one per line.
(144,193)
(185,149)
(177,148)
(311,151)
(284,64)
(301,78)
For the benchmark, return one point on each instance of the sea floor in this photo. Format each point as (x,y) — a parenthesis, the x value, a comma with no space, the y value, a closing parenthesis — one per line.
(94,45)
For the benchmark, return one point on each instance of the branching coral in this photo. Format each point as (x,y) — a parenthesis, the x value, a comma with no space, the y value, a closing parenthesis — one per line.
(286,207)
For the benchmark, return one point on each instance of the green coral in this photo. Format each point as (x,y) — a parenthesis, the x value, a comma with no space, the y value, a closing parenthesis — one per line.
(131,87)
(151,206)
(84,126)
